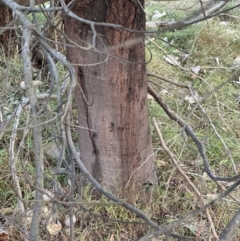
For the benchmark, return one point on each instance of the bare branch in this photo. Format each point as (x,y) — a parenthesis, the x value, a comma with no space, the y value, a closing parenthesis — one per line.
(203,13)
(191,133)
(37,132)
(167,229)
(230,230)
(98,186)
(170,154)
(72,15)
(168,80)
(39,10)
(13,163)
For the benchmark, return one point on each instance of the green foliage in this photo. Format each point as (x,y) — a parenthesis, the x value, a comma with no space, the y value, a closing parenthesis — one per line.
(3,156)
(40,17)
(182,39)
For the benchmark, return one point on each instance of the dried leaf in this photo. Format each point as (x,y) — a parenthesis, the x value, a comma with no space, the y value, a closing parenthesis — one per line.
(35,84)
(147,40)
(189,99)
(6,211)
(54,227)
(192,99)
(67,220)
(111,238)
(51,150)
(158,15)
(212,196)
(29,216)
(46,211)
(160,163)
(48,195)
(163,92)
(151,25)
(196,69)
(149,97)
(193,76)
(236,63)
(223,23)
(67,231)
(206,177)
(3,235)
(184,56)
(172,59)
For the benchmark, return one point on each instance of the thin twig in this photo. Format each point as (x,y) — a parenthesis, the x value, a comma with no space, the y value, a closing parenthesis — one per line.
(170,154)
(216,132)
(186,127)
(230,230)
(37,132)
(179,222)
(230,195)
(96,184)
(167,80)
(13,166)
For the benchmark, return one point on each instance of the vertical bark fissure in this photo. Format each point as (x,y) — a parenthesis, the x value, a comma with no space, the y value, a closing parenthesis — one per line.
(97,164)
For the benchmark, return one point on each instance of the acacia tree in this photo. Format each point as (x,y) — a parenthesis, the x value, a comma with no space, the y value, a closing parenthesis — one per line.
(111,95)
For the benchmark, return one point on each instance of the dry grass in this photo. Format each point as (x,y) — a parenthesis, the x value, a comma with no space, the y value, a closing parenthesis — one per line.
(211,46)
(213,50)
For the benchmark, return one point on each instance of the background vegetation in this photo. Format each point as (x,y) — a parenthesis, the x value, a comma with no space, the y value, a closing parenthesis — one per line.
(201,56)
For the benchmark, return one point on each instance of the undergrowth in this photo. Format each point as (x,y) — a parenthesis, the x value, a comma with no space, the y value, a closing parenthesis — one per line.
(215,123)
(209,45)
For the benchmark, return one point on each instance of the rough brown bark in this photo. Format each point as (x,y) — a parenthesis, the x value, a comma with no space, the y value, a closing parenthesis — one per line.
(26,2)
(111,95)
(5,17)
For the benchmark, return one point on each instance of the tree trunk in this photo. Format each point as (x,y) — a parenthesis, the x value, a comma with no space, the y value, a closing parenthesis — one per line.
(111,95)
(5,18)
(26,2)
